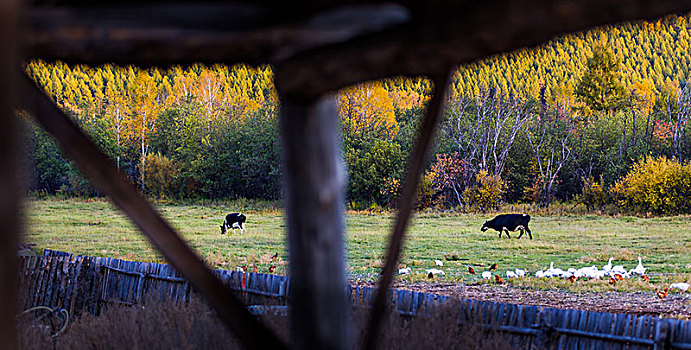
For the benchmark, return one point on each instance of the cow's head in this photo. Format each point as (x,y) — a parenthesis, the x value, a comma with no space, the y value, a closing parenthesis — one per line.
(223,229)
(484,227)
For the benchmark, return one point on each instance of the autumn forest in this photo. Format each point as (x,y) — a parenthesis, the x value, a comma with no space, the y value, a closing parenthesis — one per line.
(597,118)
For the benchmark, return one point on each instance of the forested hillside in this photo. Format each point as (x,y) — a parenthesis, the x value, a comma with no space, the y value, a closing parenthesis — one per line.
(532,125)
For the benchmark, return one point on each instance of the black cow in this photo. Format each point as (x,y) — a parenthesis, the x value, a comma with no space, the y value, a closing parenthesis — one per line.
(509,222)
(233,221)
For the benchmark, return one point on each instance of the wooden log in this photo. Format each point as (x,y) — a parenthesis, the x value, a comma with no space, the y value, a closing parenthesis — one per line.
(10,186)
(314,201)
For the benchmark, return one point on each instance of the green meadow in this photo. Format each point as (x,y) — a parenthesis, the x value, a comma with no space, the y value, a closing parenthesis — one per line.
(96,228)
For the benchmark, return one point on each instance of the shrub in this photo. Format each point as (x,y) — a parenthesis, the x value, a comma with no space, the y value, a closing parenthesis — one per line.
(160,174)
(657,185)
(593,195)
(486,193)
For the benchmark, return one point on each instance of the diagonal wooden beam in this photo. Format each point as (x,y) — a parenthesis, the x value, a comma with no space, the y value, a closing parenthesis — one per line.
(406,203)
(103,173)
(10,186)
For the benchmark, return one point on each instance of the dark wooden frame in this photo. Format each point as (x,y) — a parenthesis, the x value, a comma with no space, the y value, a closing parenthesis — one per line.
(316,48)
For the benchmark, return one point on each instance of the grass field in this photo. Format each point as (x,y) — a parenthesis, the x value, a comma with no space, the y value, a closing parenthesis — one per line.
(93,227)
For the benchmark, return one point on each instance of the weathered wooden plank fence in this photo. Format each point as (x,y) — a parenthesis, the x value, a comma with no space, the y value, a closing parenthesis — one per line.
(85,284)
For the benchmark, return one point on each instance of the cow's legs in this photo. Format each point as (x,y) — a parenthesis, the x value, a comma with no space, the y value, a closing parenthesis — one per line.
(521,230)
(529,234)
(507,232)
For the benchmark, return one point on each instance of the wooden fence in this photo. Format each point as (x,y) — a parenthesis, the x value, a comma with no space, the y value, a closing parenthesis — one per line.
(85,284)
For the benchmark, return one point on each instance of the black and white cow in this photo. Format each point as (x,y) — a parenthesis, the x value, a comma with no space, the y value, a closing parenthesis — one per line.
(509,222)
(233,221)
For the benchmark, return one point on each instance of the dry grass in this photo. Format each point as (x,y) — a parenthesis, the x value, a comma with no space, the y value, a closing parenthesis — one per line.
(161,325)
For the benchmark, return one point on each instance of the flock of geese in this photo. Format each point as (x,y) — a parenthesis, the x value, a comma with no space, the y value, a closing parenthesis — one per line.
(614,273)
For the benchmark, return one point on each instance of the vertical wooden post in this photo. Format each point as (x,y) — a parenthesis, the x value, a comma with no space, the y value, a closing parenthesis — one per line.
(10,189)
(314,201)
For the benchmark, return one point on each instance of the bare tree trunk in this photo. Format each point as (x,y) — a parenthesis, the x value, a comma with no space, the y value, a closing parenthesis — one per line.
(314,201)
(10,189)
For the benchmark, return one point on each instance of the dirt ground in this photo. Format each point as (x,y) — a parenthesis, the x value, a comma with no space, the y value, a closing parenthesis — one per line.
(676,306)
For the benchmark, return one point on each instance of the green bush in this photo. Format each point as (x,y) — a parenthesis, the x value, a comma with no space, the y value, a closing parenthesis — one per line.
(655,185)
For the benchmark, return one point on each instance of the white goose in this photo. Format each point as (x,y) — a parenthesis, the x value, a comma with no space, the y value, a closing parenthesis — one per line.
(608,267)
(554,272)
(683,286)
(639,269)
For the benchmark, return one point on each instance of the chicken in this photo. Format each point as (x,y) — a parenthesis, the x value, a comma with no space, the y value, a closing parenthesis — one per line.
(612,281)
(471,270)
(274,257)
(255,269)
(645,278)
(493,267)
(572,279)
(439,263)
(272,268)
(618,277)
(662,293)
(498,279)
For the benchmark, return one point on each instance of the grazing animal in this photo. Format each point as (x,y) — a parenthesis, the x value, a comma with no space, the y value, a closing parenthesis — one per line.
(498,279)
(234,221)
(612,281)
(272,268)
(486,275)
(511,274)
(645,278)
(404,271)
(493,267)
(662,293)
(572,279)
(439,263)
(471,270)
(509,222)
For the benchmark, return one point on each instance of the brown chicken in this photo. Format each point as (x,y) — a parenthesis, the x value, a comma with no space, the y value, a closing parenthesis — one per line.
(274,257)
(612,281)
(572,279)
(272,268)
(471,270)
(493,267)
(498,279)
(645,278)
(430,275)
(618,277)
(662,293)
